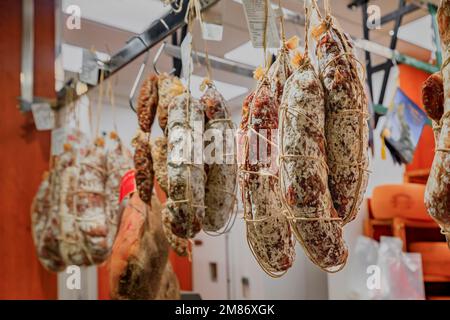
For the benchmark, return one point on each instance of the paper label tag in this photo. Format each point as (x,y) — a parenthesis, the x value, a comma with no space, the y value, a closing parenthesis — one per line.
(212,22)
(212,31)
(89,70)
(58,140)
(44,116)
(255,14)
(186,59)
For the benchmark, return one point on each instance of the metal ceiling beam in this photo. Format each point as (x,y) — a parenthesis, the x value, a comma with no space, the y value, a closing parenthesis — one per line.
(27,58)
(400,12)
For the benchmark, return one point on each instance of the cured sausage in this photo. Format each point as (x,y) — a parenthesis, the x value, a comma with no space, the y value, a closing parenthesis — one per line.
(346,128)
(221,169)
(303,169)
(433,101)
(159,155)
(147,103)
(84,223)
(168,87)
(144,166)
(186,175)
(268,232)
(179,245)
(437,192)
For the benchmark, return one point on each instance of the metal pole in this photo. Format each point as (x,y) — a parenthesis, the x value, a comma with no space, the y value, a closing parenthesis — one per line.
(27,64)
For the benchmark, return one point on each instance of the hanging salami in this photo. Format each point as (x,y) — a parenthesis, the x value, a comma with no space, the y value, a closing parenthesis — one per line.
(268,232)
(221,166)
(186,176)
(179,245)
(84,226)
(46,224)
(346,129)
(159,155)
(303,169)
(144,166)
(433,101)
(437,192)
(45,227)
(168,87)
(147,103)
(281,69)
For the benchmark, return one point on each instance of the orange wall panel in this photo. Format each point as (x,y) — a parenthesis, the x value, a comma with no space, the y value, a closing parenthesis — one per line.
(411,80)
(25,153)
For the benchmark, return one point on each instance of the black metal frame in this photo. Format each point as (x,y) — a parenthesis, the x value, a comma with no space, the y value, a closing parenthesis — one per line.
(386,66)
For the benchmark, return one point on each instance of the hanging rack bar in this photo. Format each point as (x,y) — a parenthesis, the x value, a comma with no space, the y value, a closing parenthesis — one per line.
(139,44)
(27,74)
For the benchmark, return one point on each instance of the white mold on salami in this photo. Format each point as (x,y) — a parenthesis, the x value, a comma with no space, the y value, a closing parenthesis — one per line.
(220,189)
(186,175)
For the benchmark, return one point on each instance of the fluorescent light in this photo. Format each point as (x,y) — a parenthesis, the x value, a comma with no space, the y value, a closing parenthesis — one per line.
(229,91)
(134,16)
(418,32)
(245,53)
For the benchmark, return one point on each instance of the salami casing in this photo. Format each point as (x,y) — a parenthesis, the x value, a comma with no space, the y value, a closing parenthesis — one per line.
(303,169)
(179,245)
(84,221)
(45,227)
(346,128)
(437,192)
(46,207)
(268,232)
(279,72)
(143,164)
(220,189)
(186,175)
(159,155)
(147,103)
(168,87)
(433,101)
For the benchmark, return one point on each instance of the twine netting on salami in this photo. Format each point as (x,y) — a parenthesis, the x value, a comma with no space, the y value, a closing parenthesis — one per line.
(268,232)
(303,173)
(220,188)
(85,224)
(437,195)
(45,209)
(221,166)
(346,126)
(186,175)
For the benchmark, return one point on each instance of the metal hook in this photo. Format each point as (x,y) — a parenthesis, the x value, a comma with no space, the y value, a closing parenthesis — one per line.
(138,79)
(156,59)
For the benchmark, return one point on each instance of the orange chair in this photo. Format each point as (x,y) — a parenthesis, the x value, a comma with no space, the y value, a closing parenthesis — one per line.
(398,210)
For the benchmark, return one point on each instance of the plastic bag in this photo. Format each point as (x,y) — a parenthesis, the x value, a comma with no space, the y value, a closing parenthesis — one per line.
(363,260)
(382,271)
(401,273)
